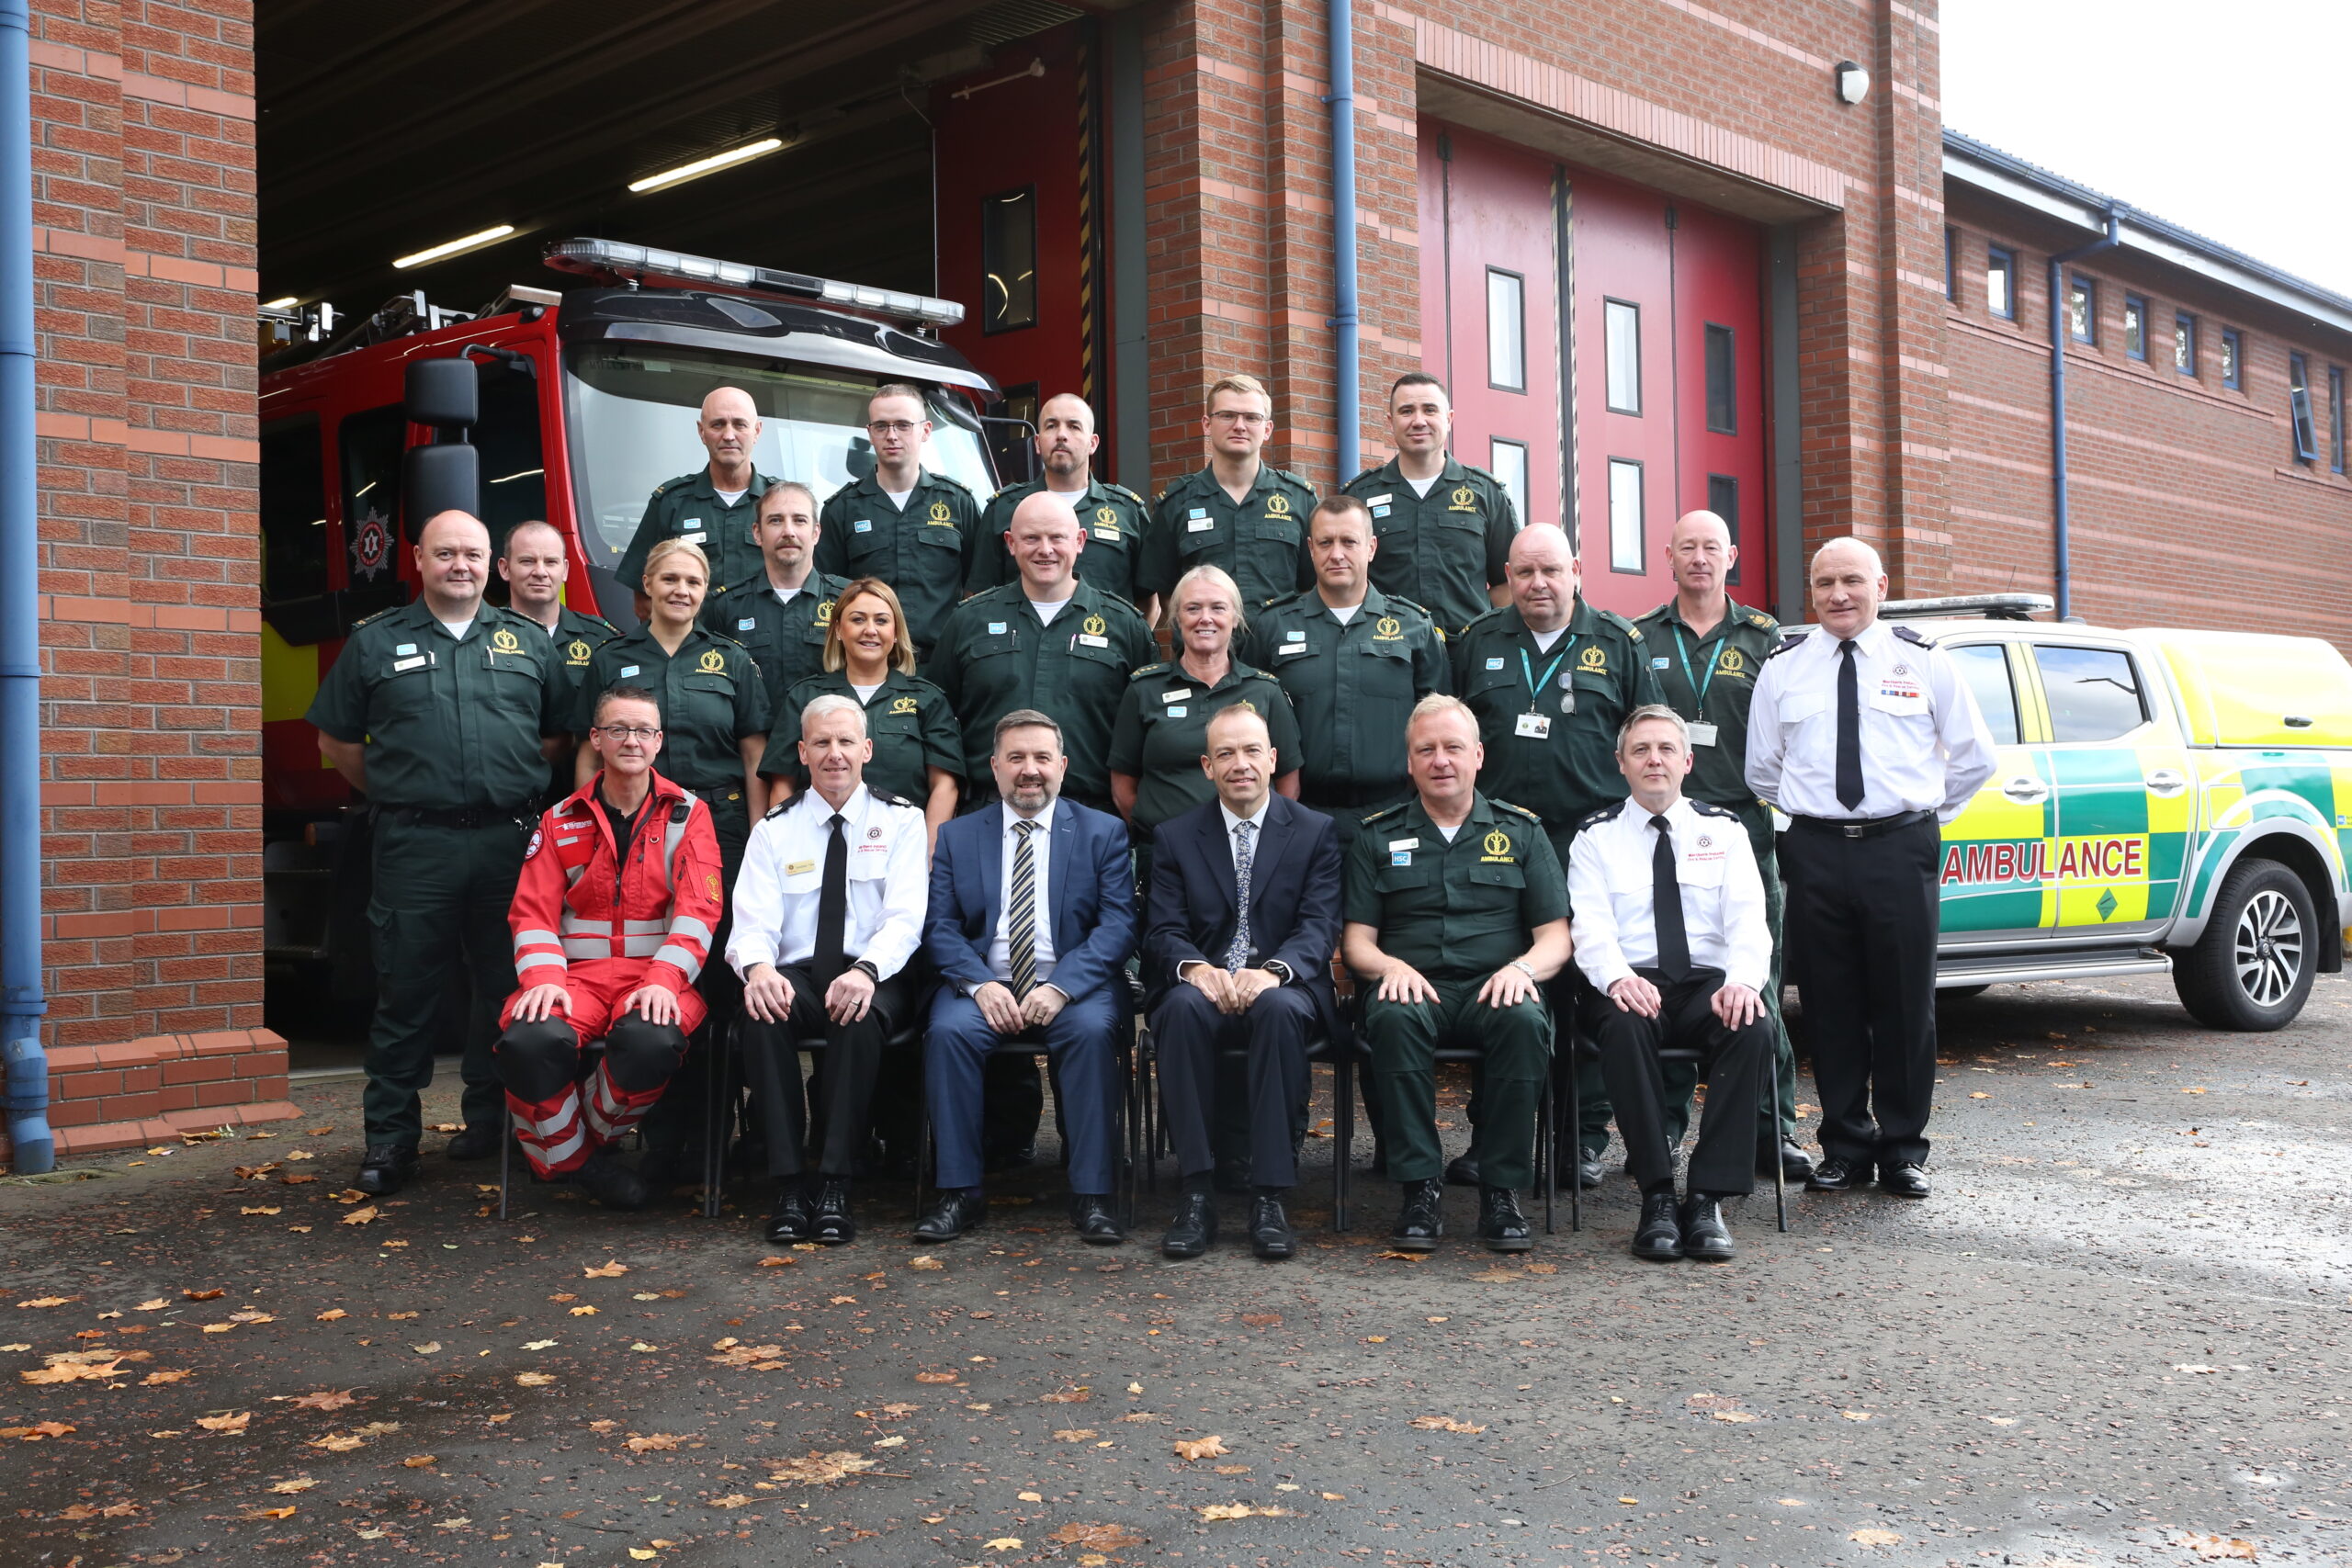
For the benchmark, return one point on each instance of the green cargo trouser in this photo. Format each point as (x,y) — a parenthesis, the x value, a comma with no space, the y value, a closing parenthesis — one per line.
(438,912)
(1405,1037)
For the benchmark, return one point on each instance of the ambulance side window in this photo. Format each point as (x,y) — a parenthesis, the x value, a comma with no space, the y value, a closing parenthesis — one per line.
(2093,693)
(1985,667)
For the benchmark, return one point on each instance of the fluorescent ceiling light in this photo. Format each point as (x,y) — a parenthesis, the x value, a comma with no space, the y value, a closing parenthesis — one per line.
(456,247)
(284,302)
(702,166)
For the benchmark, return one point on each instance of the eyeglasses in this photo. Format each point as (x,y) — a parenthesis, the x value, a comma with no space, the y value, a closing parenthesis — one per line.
(892,427)
(1241,417)
(616,733)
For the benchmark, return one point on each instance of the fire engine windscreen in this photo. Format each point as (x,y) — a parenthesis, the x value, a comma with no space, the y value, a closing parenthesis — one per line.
(630,410)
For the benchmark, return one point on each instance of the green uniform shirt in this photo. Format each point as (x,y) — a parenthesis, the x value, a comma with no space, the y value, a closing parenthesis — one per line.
(994,655)
(1710,680)
(1260,542)
(1352,686)
(574,639)
(689,508)
(788,639)
(448,725)
(1112,515)
(1446,548)
(709,693)
(908,719)
(1163,728)
(1459,910)
(923,552)
(1560,765)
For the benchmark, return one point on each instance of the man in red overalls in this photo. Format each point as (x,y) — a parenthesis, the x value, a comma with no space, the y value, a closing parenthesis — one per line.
(611,917)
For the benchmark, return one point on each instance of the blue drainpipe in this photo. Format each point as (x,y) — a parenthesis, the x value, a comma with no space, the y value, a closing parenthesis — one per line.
(2061,548)
(33,1144)
(1346,371)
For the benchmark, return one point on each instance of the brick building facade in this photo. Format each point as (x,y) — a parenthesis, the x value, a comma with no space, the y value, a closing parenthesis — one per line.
(1775,256)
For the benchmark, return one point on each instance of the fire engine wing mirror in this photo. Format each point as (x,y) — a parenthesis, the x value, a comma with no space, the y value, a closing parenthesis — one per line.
(435,479)
(443,393)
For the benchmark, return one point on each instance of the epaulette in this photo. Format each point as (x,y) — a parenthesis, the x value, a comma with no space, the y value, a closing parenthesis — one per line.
(1907,635)
(1515,810)
(949,479)
(887,798)
(1003,491)
(1146,669)
(368,620)
(1416,609)
(1595,819)
(599,620)
(1481,473)
(1792,639)
(1122,490)
(1373,472)
(1283,600)
(1762,622)
(779,808)
(1286,474)
(1708,808)
(1369,818)
(1483,617)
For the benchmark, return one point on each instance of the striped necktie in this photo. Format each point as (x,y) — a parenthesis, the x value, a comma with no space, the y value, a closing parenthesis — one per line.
(1022,933)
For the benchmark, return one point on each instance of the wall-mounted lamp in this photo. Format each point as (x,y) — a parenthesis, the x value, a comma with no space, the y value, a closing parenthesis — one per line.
(1853,82)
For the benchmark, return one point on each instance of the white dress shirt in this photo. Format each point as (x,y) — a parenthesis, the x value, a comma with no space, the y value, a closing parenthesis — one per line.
(1041,847)
(1612,916)
(784,876)
(1925,747)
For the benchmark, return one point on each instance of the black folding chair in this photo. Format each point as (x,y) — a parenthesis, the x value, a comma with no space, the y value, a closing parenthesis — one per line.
(1319,1050)
(1581,1050)
(589,1049)
(723,1097)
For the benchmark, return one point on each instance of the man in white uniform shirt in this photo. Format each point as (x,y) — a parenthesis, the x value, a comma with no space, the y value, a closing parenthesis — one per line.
(828,909)
(1866,736)
(1667,916)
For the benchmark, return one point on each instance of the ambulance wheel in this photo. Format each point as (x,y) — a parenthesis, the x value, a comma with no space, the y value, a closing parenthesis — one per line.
(2252,968)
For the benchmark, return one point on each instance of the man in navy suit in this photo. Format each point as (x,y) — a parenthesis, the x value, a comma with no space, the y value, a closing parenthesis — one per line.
(1243,916)
(1031,921)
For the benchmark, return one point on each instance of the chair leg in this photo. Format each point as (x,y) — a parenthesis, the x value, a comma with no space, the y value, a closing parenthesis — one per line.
(1547,1164)
(506,1151)
(1575,1136)
(1780,1175)
(717,1120)
(1343,1128)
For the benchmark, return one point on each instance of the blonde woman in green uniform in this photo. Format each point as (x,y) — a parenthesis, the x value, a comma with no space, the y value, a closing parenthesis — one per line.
(870,658)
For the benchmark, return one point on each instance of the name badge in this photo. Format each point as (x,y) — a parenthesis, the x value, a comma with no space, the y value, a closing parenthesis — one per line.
(1400,857)
(1534,725)
(1702,735)
(996,628)
(1660,663)
(1379,500)
(1178,695)
(1199,525)
(626,670)
(405,649)
(1494,664)
(863,526)
(1110,533)
(401,665)
(746,624)
(1086,641)
(1395,845)
(1178,711)
(1198,512)
(1380,511)
(800,868)
(1297,647)
(696,537)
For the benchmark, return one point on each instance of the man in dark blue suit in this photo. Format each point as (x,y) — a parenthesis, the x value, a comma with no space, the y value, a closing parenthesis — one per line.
(1243,916)
(1031,921)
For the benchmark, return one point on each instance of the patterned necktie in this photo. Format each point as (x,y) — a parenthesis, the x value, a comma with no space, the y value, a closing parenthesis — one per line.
(1666,902)
(1023,939)
(1236,957)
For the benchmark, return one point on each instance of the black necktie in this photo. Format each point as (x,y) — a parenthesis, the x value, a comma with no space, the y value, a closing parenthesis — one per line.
(1849,731)
(1666,900)
(832,909)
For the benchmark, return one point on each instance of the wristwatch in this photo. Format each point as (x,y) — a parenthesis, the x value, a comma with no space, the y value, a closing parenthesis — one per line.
(1523,967)
(1279,970)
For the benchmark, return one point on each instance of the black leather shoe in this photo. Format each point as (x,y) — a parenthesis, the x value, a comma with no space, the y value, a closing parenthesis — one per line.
(603,1178)
(1589,1171)
(1193,1228)
(1270,1232)
(788,1220)
(1795,1164)
(1658,1238)
(1420,1223)
(1462,1171)
(1501,1224)
(1233,1175)
(830,1221)
(1836,1175)
(1904,1178)
(955,1214)
(1705,1238)
(478,1141)
(385,1168)
(1090,1213)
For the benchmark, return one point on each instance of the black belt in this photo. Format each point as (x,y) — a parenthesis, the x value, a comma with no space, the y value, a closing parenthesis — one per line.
(465,816)
(1863,826)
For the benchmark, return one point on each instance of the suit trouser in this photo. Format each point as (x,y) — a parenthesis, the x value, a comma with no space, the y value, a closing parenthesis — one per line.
(1734,1065)
(1404,1038)
(1774,1121)
(834,1111)
(1192,1036)
(1866,914)
(438,905)
(1081,1042)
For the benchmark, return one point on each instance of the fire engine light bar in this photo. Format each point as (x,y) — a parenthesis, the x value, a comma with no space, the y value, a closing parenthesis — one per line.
(456,247)
(702,166)
(639,263)
(283,302)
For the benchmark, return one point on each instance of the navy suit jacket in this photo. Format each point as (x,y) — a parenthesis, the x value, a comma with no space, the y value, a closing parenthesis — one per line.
(1089,890)
(1293,898)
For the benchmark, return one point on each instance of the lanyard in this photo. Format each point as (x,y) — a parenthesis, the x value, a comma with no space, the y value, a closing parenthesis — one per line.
(1697,685)
(1535,683)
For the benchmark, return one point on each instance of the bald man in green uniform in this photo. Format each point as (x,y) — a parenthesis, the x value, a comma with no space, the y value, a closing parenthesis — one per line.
(1112,515)
(714,505)
(916,530)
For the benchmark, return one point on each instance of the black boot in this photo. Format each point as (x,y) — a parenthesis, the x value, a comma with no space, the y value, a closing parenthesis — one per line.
(955,1214)
(1090,1213)
(385,1168)
(1462,1171)
(788,1220)
(1192,1230)
(1501,1224)
(478,1141)
(1420,1221)
(603,1178)
(1705,1238)
(830,1224)
(1658,1238)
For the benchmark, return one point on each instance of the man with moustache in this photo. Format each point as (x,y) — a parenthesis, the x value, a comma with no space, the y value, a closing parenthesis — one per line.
(714,505)
(1112,516)
(781,612)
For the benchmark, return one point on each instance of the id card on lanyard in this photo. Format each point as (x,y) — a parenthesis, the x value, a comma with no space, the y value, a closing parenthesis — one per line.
(1702,732)
(1533,725)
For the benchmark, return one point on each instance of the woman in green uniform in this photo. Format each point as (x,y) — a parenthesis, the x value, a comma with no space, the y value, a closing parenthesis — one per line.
(870,655)
(1162,728)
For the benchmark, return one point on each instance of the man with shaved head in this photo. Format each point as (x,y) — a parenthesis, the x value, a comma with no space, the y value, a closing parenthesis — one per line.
(716,505)
(1866,735)
(1706,652)
(1112,516)
(443,715)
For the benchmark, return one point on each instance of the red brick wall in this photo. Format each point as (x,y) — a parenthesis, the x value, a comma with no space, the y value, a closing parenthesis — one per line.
(143,204)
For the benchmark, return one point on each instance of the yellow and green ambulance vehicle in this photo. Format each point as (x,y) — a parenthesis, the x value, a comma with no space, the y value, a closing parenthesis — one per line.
(2167,802)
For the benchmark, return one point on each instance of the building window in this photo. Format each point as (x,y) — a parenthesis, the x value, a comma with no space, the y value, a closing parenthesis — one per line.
(1951,265)
(1723,500)
(2184,344)
(1009,259)
(1624,515)
(2234,358)
(2335,419)
(2135,326)
(1507,460)
(1505,331)
(2000,282)
(1722,392)
(2082,309)
(2299,408)
(1621,339)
